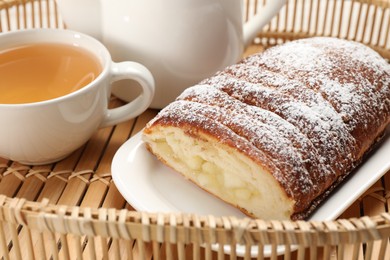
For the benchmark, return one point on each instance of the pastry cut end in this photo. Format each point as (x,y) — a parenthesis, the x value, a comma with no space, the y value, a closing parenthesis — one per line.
(276,133)
(220,170)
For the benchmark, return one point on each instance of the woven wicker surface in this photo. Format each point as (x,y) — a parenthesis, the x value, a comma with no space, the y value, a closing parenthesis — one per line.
(72,209)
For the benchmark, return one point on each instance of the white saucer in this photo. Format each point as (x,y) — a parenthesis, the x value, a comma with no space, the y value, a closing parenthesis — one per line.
(150,186)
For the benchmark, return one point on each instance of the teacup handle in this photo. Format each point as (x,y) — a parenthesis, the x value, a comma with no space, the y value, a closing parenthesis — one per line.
(139,73)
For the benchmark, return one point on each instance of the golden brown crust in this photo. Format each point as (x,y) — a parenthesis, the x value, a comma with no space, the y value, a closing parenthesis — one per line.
(307,111)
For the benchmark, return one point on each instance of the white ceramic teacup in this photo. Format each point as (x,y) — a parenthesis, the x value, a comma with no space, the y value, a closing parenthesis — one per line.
(47,131)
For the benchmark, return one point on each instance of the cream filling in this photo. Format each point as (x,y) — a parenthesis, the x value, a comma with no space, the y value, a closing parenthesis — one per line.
(222,171)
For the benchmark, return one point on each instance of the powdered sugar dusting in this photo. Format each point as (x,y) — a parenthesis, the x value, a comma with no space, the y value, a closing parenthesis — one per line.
(269,133)
(354,78)
(307,110)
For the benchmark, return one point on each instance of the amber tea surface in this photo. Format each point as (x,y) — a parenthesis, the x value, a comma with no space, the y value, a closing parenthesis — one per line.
(43,71)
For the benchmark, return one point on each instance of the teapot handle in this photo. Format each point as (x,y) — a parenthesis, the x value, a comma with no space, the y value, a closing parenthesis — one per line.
(256,23)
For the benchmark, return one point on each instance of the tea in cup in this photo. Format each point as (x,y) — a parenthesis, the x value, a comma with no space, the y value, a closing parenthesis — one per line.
(55,85)
(42,71)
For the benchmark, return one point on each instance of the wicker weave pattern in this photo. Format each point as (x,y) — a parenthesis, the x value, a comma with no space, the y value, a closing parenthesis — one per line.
(183,230)
(72,210)
(360,20)
(19,14)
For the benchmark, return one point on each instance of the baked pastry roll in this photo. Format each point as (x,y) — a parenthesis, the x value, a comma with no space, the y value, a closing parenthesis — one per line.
(275,133)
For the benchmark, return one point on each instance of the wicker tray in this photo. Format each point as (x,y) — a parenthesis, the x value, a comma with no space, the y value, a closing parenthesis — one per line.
(72,209)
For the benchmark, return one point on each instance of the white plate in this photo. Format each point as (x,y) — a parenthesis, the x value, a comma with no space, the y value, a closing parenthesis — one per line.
(150,186)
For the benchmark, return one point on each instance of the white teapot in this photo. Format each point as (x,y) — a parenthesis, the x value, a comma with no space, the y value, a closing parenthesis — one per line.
(180,41)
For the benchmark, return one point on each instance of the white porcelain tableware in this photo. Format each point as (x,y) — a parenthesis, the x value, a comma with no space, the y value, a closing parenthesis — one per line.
(150,186)
(46,131)
(180,41)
